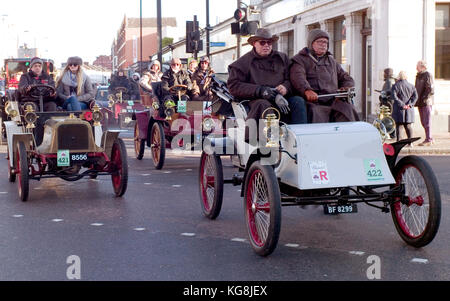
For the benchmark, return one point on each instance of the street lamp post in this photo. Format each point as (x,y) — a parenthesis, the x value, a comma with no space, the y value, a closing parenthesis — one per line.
(140,25)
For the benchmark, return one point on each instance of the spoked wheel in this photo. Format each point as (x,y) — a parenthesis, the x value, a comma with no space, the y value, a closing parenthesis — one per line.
(262,205)
(158,145)
(120,165)
(417,218)
(139,144)
(211,185)
(22,171)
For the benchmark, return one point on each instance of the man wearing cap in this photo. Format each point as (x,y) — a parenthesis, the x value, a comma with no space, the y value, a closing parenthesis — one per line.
(176,76)
(36,76)
(201,79)
(314,71)
(261,76)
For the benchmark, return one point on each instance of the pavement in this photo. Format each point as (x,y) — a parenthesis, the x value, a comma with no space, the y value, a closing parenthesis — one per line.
(440,147)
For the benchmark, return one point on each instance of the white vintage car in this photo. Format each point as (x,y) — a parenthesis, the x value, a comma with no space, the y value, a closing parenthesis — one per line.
(336,165)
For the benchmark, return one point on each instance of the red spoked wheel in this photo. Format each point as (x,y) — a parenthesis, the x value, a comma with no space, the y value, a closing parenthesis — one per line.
(158,145)
(119,164)
(139,144)
(418,216)
(211,185)
(22,171)
(262,205)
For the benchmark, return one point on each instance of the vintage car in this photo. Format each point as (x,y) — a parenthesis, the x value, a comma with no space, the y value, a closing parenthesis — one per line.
(68,145)
(180,124)
(122,108)
(336,165)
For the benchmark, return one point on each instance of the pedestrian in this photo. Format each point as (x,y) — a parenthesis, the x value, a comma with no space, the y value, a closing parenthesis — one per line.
(74,86)
(314,72)
(262,77)
(36,76)
(425,91)
(404,95)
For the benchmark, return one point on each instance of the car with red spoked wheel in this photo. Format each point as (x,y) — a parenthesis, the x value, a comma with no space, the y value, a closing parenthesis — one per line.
(66,145)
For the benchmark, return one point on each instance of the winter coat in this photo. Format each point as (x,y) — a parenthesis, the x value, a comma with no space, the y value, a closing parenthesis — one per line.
(201,81)
(30,78)
(170,79)
(66,88)
(387,86)
(424,87)
(321,75)
(403,94)
(252,71)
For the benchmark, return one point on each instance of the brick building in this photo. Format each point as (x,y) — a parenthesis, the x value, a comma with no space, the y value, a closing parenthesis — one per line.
(125,49)
(104,61)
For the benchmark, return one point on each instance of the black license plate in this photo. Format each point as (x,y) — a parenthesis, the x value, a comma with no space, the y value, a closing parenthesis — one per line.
(340,209)
(79,157)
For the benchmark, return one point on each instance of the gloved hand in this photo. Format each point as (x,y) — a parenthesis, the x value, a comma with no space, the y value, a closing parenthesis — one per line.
(266,93)
(311,96)
(282,103)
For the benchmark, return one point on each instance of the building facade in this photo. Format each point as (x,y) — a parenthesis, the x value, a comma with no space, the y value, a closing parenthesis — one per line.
(126,47)
(103,61)
(366,36)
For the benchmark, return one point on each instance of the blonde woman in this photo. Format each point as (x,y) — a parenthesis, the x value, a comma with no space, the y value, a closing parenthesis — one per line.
(74,87)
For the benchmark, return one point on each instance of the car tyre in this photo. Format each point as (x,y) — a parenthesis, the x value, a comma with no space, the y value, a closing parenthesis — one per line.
(416,219)
(119,175)
(22,171)
(211,185)
(139,144)
(158,145)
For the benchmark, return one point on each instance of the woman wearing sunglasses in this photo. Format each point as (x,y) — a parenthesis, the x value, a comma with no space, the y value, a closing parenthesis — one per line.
(74,87)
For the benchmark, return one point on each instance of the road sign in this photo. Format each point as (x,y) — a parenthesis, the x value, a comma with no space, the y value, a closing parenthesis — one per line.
(217,44)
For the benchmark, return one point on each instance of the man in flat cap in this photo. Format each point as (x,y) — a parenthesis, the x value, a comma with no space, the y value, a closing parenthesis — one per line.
(314,71)
(36,76)
(261,76)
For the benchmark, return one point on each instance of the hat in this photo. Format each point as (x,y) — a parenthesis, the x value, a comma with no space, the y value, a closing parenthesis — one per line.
(75,60)
(155,62)
(262,34)
(35,60)
(316,34)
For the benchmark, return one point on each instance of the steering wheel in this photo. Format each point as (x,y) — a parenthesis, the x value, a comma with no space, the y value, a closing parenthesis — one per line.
(178,89)
(39,90)
(121,89)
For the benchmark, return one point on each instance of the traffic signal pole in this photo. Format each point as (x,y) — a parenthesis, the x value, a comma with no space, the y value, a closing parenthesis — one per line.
(238,37)
(159,29)
(207,29)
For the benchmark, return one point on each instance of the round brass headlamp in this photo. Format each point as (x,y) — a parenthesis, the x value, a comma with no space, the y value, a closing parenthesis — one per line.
(208,124)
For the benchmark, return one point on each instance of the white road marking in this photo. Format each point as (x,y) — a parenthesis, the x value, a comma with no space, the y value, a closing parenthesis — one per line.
(17,215)
(57,220)
(168,171)
(145,174)
(3,192)
(188,169)
(147,183)
(238,239)
(292,245)
(360,253)
(176,186)
(139,229)
(419,260)
(97,224)
(188,234)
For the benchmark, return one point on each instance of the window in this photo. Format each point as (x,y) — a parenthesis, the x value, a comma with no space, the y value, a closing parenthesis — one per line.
(442,41)
(339,40)
(286,43)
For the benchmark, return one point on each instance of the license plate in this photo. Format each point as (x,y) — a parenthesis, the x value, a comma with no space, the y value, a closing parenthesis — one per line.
(80,157)
(340,209)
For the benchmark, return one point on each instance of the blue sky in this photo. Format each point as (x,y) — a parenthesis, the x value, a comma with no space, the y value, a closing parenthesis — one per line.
(86,28)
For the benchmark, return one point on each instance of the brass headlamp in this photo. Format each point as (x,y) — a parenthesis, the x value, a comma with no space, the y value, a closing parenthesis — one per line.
(170,109)
(30,116)
(110,101)
(272,127)
(10,111)
(97,116)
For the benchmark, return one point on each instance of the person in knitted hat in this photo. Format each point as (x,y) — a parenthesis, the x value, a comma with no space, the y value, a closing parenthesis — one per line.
(314,71)
(201,79)
(36,76)
(261,76)
(74,86)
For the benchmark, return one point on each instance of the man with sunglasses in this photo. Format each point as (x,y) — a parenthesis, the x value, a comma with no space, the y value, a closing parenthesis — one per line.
(314,71)
(262,76)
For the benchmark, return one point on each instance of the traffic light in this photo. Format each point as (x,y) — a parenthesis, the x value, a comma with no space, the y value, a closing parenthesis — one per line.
(247,27)
(193,42)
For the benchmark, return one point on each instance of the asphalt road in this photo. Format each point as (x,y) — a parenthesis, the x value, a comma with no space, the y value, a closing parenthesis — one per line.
(157,232)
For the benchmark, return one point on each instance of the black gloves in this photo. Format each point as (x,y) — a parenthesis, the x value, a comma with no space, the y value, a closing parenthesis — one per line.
(266,93)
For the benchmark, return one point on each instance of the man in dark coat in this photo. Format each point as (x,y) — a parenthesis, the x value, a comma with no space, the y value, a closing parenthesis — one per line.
(176,76)
(36,76)
(404,95)
(314,71)
(120,81)
(424,87)
(201,80)
(262,76)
